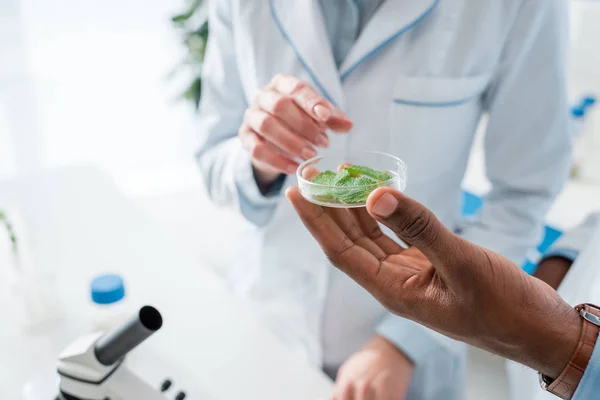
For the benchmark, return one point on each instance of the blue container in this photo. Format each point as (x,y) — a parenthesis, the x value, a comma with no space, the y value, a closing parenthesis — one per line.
(107,289)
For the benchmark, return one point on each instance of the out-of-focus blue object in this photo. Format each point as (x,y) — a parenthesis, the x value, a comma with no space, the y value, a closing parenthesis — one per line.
(588,101)
(551,235)
(107,289)
(529,267)
(578,111)
(473,203)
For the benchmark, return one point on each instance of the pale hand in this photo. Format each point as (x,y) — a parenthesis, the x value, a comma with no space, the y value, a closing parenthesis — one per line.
(285,122)
(444,282)
(378,371)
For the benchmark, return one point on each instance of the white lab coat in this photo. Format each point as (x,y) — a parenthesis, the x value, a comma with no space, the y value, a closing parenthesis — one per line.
(581,285)
(415,84)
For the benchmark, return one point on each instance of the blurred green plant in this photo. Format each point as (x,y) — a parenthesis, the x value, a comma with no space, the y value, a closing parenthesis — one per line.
(193,26)
(9,230)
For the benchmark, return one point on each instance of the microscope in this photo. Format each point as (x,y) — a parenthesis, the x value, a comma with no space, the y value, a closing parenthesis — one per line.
(93,367)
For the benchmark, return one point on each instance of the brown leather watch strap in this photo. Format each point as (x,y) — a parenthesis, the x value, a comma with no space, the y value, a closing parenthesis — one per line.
(565,385)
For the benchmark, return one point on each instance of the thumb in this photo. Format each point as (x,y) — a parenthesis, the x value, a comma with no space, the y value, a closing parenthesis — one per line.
(417,226)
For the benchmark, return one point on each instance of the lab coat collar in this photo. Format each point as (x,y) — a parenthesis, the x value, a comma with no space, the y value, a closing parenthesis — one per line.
(301,24)
(391,20)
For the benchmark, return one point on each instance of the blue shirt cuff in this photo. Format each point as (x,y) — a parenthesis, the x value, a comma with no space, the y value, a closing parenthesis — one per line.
(254,205)
(275,188)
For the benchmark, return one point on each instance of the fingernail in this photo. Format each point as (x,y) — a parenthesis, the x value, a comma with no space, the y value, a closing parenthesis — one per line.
(385,206)
(322,140)
(322,112)
(308,152)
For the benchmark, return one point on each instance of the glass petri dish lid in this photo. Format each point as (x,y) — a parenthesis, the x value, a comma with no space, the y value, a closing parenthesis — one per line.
(345,179)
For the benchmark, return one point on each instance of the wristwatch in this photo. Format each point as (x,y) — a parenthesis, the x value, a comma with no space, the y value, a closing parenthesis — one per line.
(565,385)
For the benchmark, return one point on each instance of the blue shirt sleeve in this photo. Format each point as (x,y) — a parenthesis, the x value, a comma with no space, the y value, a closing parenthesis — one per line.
(256,206)
(589,387)
(571,243)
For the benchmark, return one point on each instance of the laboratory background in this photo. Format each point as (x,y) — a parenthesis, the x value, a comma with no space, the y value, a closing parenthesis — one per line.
(99,187)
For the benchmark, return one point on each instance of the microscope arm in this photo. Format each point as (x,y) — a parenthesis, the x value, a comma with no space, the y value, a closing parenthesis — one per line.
(125,385)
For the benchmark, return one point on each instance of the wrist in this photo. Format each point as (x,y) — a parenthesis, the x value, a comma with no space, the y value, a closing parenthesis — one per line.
(566,384)
(558,340)
(384,346)
(265,178)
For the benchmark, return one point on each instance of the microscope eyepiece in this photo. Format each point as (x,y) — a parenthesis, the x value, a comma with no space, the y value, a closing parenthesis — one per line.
(150,318)
(114,345)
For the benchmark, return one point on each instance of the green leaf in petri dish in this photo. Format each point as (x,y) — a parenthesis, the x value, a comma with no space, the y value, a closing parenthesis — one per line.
(357,170)
(363,178)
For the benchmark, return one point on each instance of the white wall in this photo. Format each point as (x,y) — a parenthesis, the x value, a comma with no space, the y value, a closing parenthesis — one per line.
(585,51)
(86,82)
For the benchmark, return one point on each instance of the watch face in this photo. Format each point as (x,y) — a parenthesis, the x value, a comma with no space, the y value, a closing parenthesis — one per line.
(590,317)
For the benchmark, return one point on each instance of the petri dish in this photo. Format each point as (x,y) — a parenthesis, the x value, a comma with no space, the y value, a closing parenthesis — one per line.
(390,172)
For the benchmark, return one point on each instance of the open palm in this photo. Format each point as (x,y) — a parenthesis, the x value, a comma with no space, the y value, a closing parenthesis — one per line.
(388,270)
(443,282)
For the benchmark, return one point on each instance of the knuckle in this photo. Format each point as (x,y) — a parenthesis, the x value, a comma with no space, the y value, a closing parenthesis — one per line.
(281,104)
(333,256)
(280,80)
(298,86)
(312,99)
(418,227)
(363,386)
(266,123)
(258,151)
(279,77)
(375,232)
(257,97)
(336,255)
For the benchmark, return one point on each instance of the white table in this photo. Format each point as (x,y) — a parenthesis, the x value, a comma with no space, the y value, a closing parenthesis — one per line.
(79,224)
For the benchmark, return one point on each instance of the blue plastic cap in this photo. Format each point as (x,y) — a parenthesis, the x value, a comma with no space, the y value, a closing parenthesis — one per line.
(107,289)
(588,101)
(578,112)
